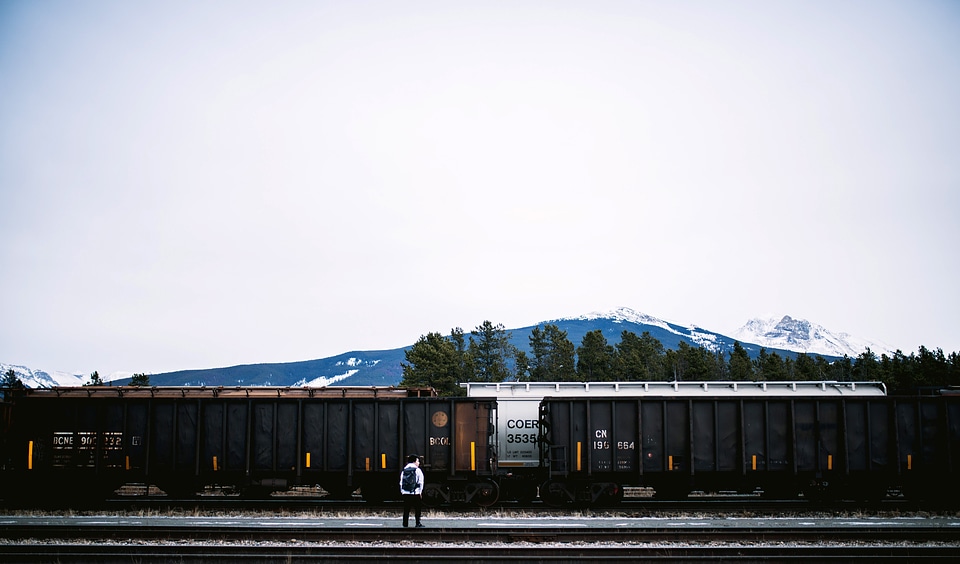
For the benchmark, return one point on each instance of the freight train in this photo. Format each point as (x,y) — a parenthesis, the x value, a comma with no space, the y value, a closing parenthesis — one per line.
(568,443)
(531,450)
(846,447)
(70,445)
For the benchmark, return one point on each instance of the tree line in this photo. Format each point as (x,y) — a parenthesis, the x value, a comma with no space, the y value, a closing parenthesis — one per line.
(486,355)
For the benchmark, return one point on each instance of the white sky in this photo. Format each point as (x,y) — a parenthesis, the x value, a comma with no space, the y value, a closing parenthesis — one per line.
(202,184)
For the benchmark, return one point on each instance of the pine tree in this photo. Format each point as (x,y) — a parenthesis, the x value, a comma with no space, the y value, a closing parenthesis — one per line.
(433,363)
(140,380)
(11,381)
(553,355)
(639,359)
(595,358)
(491,353)
(741,368)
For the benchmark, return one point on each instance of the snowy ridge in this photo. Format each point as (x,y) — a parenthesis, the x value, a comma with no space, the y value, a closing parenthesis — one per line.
(622,314)
(32,378)
(704,339)
(800,335)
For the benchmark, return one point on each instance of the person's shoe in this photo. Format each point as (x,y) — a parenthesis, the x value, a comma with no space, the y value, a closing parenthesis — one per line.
(404,524)
(420,526)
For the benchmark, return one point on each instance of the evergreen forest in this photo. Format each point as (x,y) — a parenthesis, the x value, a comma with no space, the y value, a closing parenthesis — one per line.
(486,355)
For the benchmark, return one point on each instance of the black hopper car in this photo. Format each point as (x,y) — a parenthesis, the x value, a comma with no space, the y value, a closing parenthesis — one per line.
(835,448)
(66,445)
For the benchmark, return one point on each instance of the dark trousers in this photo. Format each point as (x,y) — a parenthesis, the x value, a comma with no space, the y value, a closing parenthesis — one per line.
(414,501)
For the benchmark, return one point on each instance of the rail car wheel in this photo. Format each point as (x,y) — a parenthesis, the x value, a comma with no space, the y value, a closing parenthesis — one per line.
(435,494)
(556,494)
(483,494)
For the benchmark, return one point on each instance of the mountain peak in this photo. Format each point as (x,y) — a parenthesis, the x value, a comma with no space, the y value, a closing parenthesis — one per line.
(620,315)
(801,335)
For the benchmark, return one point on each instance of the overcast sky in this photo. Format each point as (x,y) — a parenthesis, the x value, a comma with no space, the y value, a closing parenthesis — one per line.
(205,184)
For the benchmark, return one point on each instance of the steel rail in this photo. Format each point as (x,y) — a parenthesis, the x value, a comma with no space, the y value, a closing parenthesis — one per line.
(513,533)
(81,554)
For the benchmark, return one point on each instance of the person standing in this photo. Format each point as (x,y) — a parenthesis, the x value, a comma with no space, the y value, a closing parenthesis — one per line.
(411,488)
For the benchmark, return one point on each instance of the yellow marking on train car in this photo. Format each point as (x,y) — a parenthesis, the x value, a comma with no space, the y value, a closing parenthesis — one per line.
(308,460)
(579,444)
(754,462)
(909,462)
(368,463)
(669,463)
(383,460)
(128,462)
(215,464)
(30,456)
(473,456)
(829,462)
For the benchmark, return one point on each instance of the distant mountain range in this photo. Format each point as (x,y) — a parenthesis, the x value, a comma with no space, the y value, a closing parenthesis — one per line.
(786,336)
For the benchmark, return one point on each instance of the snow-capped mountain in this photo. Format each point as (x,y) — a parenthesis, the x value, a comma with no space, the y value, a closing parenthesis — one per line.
(383,368)
(800,335)
(32,378)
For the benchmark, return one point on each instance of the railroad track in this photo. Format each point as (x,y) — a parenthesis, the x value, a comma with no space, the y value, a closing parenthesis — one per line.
(222,539)
(207,554)
(693,504)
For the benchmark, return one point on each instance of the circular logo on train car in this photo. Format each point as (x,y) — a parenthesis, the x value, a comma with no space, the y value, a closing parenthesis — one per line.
(439,419)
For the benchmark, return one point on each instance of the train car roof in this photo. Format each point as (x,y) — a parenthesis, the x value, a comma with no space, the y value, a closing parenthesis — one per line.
(667,389)
(230,392)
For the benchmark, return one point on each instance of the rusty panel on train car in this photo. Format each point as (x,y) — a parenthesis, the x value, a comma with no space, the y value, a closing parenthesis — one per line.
(439,439)
(472,435)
